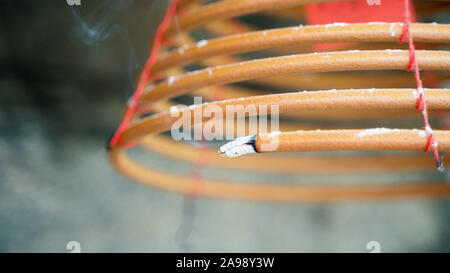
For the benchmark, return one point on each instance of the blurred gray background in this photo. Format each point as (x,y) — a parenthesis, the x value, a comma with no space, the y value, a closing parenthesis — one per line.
(65,74)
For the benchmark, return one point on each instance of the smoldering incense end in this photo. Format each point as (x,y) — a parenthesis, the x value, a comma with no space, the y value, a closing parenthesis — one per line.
(238,147)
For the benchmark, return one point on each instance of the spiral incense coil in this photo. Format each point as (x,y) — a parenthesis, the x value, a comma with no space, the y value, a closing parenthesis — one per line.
(363,81)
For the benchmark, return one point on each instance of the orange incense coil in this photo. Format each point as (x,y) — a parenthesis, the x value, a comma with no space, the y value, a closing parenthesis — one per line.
(384,92)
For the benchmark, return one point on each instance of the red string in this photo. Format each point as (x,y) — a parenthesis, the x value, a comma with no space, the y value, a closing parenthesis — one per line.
(421,101)
(145,75)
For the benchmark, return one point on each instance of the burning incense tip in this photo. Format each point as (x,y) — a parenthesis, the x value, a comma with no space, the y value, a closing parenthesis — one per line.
(238,147)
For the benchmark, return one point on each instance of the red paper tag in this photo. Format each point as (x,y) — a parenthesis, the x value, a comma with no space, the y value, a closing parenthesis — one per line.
(357,11)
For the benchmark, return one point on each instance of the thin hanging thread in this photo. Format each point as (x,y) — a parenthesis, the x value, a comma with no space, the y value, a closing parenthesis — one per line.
(145,76)
(421,101)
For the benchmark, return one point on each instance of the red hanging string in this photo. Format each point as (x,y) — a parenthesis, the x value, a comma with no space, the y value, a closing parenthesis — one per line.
(421,101)
(145,75)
